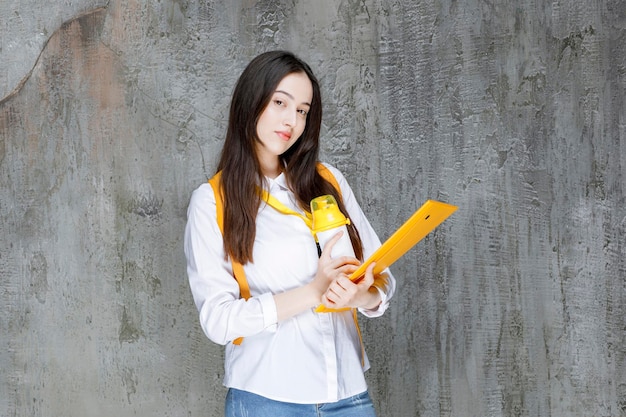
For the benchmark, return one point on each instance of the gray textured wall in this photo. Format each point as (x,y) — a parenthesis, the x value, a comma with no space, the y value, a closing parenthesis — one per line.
(111,113)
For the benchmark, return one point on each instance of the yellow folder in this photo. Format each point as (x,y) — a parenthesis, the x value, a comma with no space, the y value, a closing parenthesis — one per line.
(423,221)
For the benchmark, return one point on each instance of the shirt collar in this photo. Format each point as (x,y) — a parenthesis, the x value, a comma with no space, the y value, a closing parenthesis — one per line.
(280,181)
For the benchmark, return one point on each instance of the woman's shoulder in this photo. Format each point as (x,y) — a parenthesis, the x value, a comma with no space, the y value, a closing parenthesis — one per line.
(202,197)
(204,190)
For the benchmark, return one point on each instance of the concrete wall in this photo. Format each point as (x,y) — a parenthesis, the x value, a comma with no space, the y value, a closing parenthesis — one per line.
(111,113)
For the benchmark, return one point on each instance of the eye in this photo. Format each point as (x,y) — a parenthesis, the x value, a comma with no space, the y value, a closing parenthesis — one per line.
(303,112)
(278,102)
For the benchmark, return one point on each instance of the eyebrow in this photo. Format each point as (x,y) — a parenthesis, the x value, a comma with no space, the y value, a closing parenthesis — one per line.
(291,97)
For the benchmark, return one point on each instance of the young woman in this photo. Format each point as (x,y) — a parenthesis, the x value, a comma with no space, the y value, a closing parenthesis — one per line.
(293,361)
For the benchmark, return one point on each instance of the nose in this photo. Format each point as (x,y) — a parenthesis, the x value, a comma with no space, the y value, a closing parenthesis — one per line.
(291,117)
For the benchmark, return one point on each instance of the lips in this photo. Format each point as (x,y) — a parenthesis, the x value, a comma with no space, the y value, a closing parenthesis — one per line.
(284,135)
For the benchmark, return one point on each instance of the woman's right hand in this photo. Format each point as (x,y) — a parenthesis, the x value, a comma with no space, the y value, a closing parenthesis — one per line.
(330,269)
(295,301)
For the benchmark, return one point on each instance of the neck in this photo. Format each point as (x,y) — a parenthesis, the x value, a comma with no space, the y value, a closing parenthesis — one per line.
(272,170)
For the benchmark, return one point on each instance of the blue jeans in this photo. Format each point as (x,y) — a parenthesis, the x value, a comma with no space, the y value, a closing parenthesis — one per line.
(244,404)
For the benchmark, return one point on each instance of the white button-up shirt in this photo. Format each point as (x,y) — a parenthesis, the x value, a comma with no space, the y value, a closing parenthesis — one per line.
(309,358)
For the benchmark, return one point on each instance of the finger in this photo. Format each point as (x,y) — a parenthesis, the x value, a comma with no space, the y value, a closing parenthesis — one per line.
(345,261)
(344,283)
(368,278)
(343,265)
(338,286)
(347,269)
(345,289)
(329,299)
(369,269)
(327,249)
(339,296)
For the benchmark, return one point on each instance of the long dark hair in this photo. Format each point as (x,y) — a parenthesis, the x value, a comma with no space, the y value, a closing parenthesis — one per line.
(239,164)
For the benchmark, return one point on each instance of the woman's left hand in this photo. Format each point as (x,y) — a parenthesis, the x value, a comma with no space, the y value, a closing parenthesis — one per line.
(343,292)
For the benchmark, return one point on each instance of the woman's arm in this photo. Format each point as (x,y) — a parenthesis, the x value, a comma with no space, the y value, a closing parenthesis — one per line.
(223,315)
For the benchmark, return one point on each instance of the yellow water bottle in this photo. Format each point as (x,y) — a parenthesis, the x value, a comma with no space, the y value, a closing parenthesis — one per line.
(328,220)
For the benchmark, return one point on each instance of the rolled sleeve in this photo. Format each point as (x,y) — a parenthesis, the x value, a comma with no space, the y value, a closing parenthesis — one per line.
(381,283)
(270,315)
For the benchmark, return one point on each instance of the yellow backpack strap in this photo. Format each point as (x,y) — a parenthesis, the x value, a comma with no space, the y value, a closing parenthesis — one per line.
(283,209)
(328,176)
(238,272)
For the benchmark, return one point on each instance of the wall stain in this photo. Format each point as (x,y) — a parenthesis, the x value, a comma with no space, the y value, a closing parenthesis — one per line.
(38,269)
(129,331)
(595,187)
(148,206)
(94,16)
(574,42)
(130,380)
(135,279)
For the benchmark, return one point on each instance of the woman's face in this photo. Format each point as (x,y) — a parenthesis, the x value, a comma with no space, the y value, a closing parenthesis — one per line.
(283,120)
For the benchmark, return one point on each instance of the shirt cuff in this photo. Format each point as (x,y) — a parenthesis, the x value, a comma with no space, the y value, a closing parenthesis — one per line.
(270,315)
(382,307)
